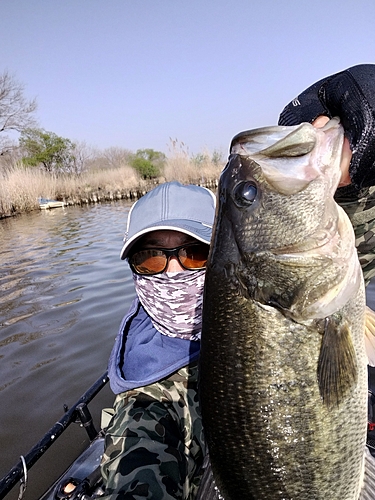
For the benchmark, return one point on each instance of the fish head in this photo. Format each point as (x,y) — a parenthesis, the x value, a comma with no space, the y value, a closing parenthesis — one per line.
(277,217)
(278,183)
(291,157)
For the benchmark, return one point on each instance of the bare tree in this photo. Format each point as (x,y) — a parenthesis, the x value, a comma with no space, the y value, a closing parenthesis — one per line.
(16,112)
(10,154)
(116,156)
(81,156)
(112,157)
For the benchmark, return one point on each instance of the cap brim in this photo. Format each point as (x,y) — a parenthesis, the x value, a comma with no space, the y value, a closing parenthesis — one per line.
(197,230)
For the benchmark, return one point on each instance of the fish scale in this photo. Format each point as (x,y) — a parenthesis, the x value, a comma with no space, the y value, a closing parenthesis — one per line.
(282,418)
(251,415)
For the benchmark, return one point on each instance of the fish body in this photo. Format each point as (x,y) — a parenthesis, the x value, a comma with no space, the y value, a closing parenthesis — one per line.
(283,369)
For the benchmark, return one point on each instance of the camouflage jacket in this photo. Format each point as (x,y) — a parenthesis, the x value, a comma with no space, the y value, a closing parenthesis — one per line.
(154,444)
(360,208)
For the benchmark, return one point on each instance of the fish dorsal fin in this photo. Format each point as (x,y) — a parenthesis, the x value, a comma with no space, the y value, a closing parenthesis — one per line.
(337,366)
(370,336)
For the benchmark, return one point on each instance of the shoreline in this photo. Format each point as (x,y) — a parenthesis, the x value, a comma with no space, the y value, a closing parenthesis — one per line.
(100,195)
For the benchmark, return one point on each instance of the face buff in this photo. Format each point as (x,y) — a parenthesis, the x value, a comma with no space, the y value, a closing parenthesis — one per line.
(173,301)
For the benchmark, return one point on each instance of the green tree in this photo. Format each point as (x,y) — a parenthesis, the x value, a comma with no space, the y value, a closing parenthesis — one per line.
(40,147)
(148,163)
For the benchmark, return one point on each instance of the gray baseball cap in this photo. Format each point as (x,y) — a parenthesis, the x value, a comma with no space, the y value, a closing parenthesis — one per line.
(186,208)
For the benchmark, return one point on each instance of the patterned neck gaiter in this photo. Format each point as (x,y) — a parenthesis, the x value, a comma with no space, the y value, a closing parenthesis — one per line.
(173,301)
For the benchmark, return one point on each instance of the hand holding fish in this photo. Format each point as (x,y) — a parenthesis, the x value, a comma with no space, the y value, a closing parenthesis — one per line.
(346,155)
(350,95)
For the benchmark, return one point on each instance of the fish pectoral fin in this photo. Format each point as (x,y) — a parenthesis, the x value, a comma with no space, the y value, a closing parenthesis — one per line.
(368,484)
(370,336)
(337,365)
(208,489)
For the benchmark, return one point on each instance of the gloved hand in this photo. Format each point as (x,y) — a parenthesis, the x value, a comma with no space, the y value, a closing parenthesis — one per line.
(350,95)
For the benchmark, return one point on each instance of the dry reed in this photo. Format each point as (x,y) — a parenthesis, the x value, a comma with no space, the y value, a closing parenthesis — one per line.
(182,167)
(21,188)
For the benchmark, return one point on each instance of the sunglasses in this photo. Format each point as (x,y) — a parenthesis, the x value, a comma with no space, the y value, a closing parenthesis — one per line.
(149,261)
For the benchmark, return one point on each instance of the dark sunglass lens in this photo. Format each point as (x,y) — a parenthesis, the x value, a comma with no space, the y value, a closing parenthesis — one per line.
(148,261)
(194,256)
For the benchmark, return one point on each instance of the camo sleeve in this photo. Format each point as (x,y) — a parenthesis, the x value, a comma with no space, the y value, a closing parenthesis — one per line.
(154,443)
(360,208)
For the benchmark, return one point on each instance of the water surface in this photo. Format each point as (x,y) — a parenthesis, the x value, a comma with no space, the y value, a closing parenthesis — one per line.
(63,292)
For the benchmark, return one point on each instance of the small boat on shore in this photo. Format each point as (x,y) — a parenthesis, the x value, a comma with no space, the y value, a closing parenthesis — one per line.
(82,480)
(45,203)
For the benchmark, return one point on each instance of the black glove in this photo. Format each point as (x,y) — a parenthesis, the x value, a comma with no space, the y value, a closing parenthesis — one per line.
(350,95)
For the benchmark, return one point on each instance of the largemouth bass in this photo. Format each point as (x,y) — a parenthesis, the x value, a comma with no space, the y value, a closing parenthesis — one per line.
(283,368)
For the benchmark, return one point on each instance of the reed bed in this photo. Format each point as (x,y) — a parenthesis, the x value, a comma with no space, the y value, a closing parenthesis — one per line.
(184,168)
(21,188)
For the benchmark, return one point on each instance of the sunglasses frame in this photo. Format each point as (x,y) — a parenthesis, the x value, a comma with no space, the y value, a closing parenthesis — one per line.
(168,253)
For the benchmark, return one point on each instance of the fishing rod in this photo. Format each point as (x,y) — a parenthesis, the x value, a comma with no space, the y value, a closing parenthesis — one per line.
(79,412)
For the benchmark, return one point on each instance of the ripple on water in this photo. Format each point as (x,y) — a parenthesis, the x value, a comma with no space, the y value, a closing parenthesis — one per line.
(63,292)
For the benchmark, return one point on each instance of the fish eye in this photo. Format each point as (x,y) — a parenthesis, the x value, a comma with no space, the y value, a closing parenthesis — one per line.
(245,193)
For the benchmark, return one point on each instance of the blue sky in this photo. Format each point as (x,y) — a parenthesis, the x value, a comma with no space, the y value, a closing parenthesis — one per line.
(134,73)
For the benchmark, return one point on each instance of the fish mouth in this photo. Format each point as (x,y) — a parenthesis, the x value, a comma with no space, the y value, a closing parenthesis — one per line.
(298,142)
(292,157)
(285,142)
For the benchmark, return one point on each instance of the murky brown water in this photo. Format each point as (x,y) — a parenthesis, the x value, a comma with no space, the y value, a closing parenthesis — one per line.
(63,292)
